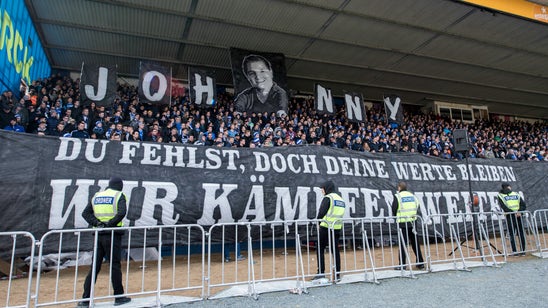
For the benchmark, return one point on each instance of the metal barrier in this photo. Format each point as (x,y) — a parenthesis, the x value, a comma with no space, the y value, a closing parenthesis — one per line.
(283,255)
(182,280)
(519,233)
(240,231)
(540,219)
(253,258)
(17,281)
(274,258)
(460,240)
(376,248)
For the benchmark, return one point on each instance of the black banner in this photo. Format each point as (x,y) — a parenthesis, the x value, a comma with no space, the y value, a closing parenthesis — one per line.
(47,182)
(202,86)
(355,108)
(154,83)
(260,81)
(394,109)
(323,100)
(98,84)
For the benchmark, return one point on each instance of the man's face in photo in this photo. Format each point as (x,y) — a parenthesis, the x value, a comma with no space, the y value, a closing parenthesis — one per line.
(259,76)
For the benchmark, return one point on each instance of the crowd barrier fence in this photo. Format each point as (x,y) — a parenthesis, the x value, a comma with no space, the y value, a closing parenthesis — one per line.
(540,219)
(371,249)
(462,240)
(520,234)
(274,259)
(12,271)
(249,258)
(180,280)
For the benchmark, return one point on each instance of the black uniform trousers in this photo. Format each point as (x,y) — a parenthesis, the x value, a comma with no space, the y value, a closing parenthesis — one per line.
(515,225)
(409,237)
(323,241)
(104,250)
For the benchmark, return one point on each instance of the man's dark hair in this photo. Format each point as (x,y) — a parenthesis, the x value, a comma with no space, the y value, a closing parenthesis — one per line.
(328,186)
(254,58)
(116,183)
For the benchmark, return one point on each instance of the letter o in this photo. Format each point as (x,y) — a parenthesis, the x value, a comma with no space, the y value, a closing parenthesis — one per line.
(278,162)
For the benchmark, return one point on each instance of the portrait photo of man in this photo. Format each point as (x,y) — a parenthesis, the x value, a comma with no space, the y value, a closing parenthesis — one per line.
(263,93)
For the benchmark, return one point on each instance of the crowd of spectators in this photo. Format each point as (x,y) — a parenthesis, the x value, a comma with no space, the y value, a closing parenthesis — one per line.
(52,107)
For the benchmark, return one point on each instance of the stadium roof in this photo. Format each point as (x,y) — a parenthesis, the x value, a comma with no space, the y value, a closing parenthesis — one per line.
(419,49)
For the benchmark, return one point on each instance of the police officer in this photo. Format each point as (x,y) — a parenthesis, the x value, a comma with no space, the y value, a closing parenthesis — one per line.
(106,210)
(331,212)
(405,207)
(512,203)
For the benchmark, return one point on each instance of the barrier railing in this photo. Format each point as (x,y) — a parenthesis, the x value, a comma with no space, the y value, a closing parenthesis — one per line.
(274,258)
(540,218)
(230,239)
(183,280)
(356,255)
(520,235)
(11,269)
(283,255)
(374,248)
(253,258)
(457,241)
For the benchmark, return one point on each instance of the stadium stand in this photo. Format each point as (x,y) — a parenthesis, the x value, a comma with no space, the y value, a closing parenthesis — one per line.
(53,108)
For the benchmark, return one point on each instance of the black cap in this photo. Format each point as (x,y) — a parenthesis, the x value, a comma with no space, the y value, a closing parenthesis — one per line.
(116,183)
(505,185)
